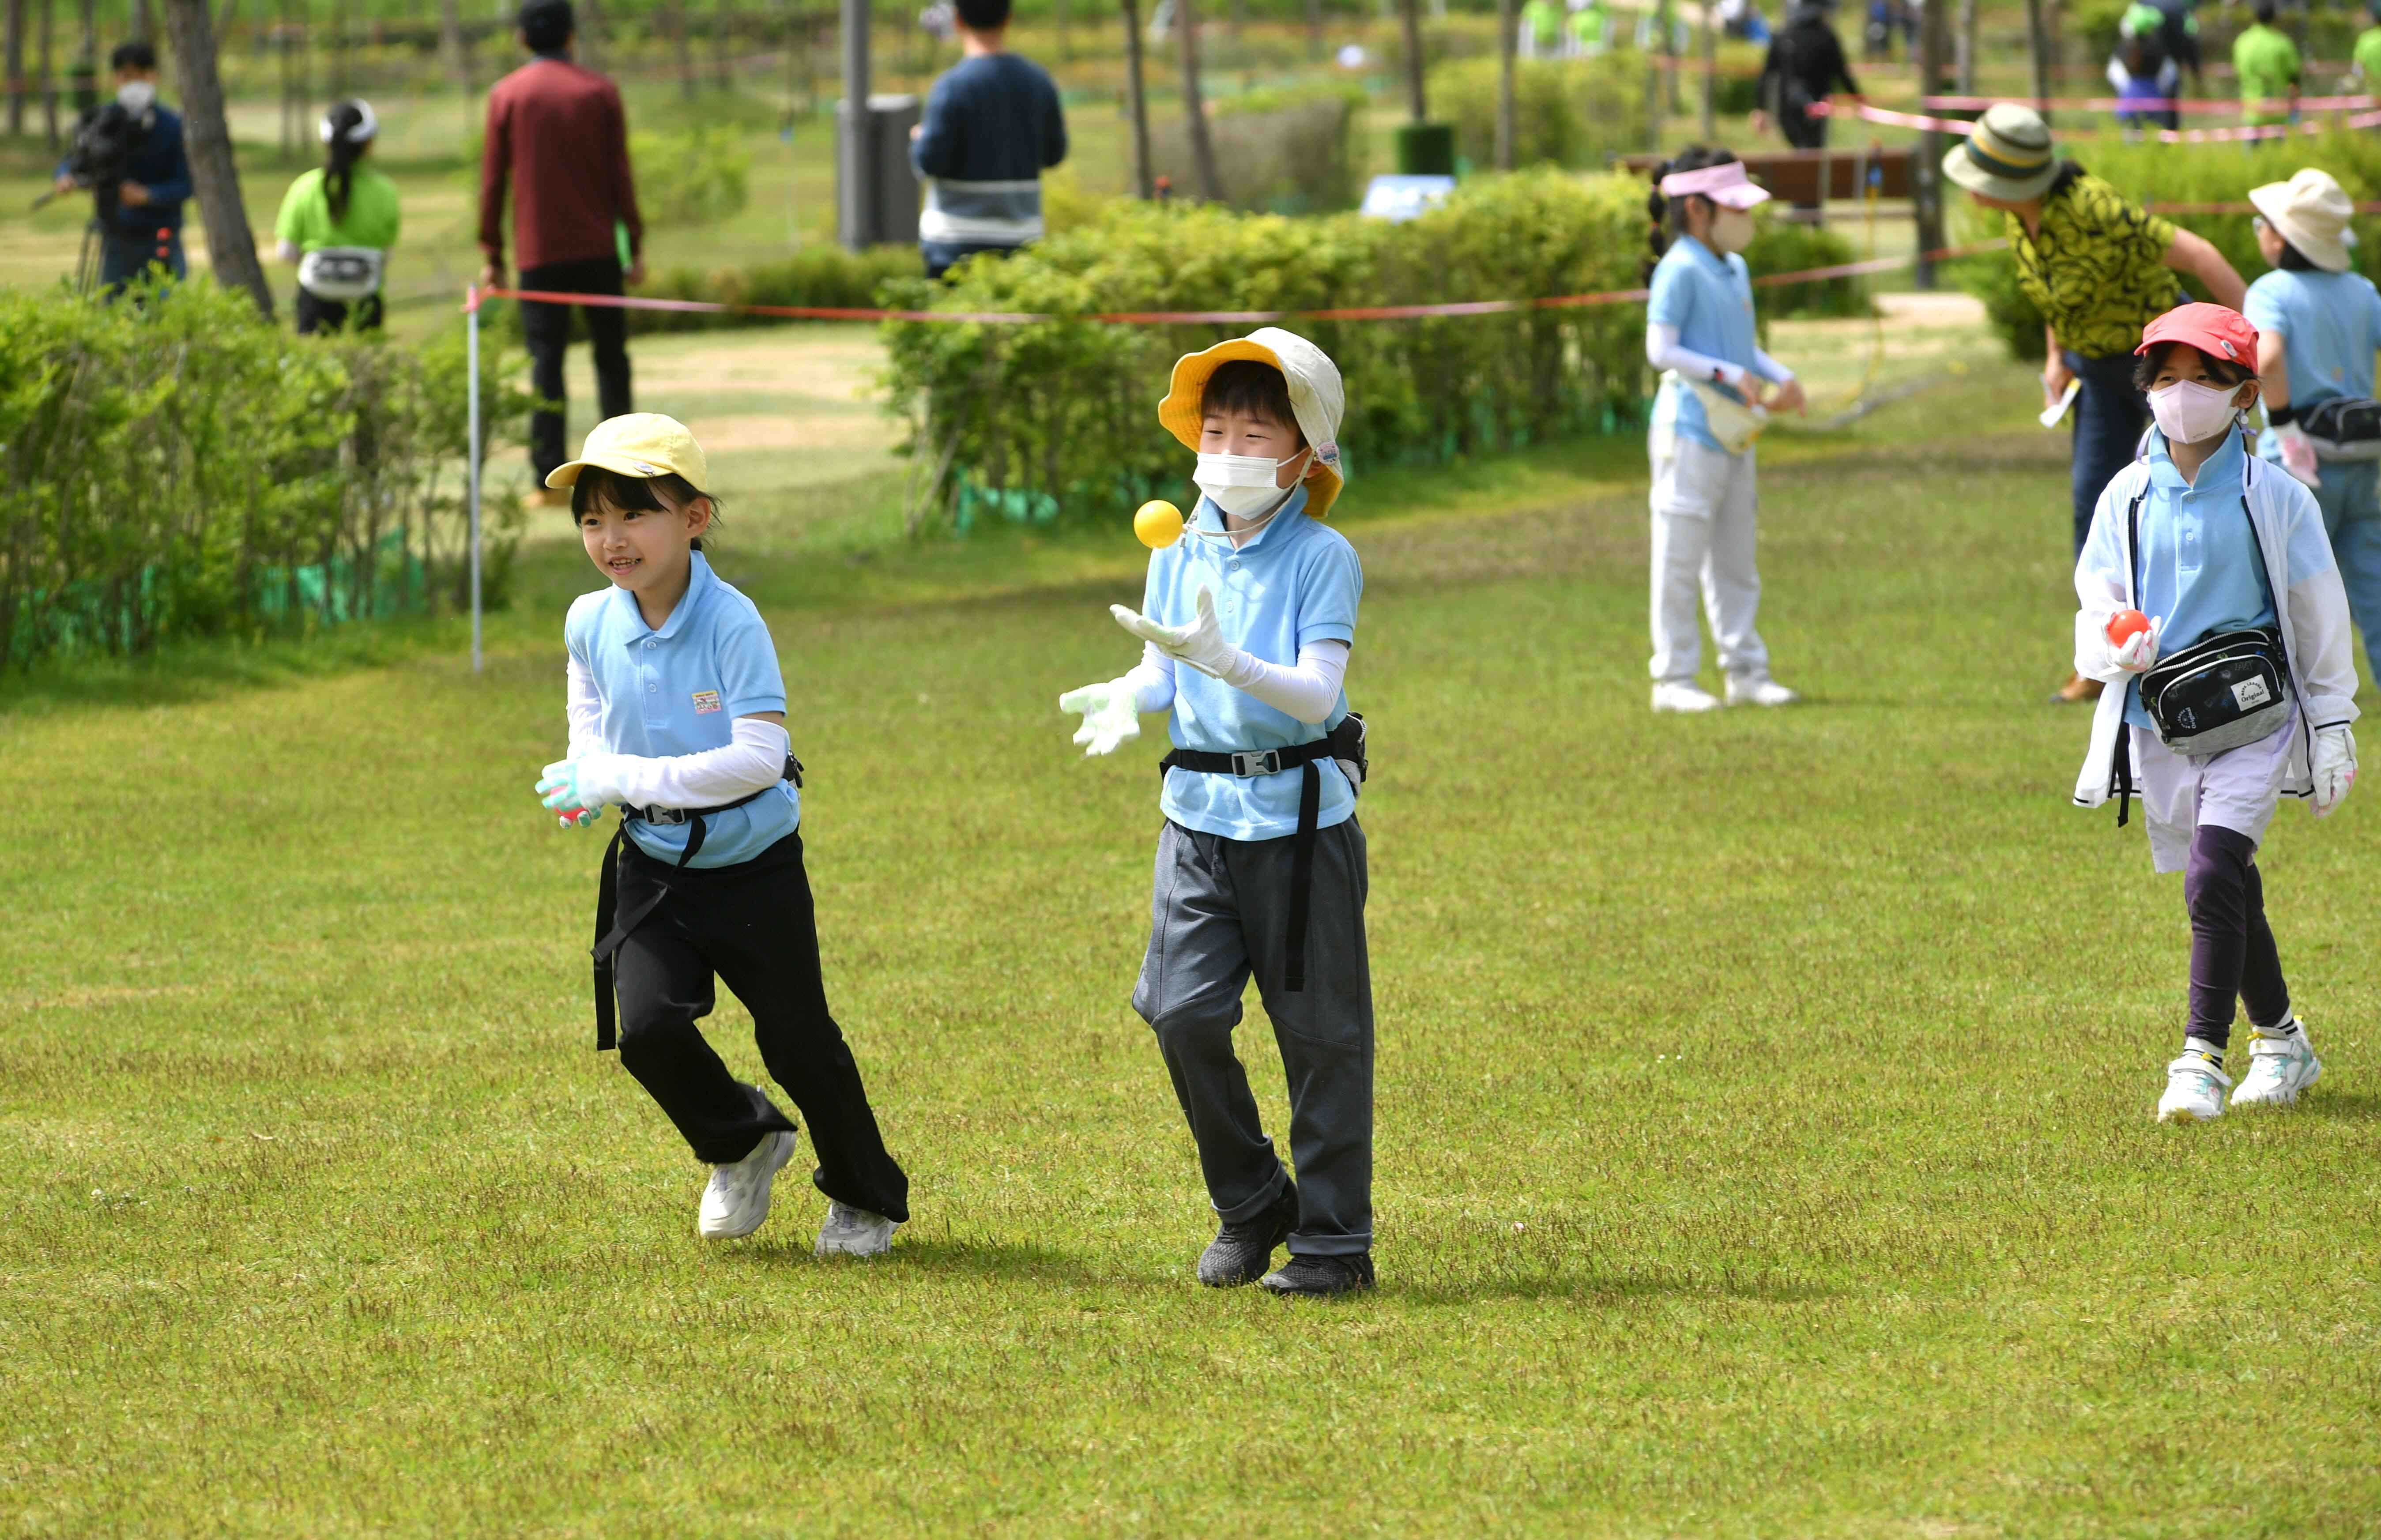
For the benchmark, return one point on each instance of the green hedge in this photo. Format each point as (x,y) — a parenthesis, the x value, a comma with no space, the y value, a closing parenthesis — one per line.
(1057,418)
(1573,112)
(179,468)
(824,275)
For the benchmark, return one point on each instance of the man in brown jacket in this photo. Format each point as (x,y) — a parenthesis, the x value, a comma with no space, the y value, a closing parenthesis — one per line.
(558,133)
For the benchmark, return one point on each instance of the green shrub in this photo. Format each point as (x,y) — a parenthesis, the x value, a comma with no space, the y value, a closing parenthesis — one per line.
(1057,419)
(1571,112)
(1280,152)
(696,177)
(827,277)
(1781,246)
(181,467)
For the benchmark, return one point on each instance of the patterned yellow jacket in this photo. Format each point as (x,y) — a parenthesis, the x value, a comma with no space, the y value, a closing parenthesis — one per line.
(2098,271)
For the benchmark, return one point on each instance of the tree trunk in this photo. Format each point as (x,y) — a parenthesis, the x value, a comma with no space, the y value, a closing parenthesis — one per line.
(1711,70)
(1505,43)
(1136,104)
(2037,47)
(145,25)
(1066,33)
(685,48)
(87,58)
(723,25)
(1194,105)
(16,68)
(1416,106)
(49,82)
(230,245)
(1314,29)
(591,34)
(1967,48)
(456,46)
(1926,175)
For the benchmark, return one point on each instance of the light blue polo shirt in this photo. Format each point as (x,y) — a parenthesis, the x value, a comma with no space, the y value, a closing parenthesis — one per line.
(2200,564)
(1297,581)
(678,690)
(1709,299)
(2330,325)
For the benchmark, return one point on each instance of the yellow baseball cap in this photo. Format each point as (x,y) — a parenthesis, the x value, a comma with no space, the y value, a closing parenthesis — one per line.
(642,444)
(1315,399)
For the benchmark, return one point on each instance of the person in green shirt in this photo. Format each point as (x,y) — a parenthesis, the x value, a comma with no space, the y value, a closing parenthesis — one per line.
(2268,63)
(1591,30)
(337,224)
(1542,29)
(2367,58)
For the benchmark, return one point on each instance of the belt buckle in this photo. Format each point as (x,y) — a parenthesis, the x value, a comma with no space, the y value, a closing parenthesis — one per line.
(1256,762)
(669,816)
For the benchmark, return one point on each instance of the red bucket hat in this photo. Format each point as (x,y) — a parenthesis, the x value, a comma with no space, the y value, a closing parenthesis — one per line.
(2215,331)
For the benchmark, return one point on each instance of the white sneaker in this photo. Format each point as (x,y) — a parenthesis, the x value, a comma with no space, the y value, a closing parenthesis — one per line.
(2280,1068)
(737,1200)
(850,1232)
(1688,697)
(2194,1089)
(1760,691)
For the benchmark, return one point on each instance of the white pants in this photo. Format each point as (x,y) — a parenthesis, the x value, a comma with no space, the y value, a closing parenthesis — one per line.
(2236,790)
(1703,533)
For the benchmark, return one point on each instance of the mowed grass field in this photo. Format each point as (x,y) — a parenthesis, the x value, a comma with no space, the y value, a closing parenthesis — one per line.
(1765,1100)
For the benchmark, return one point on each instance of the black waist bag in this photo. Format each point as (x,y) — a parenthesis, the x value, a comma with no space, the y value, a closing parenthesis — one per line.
(2220,693)
(2346,427)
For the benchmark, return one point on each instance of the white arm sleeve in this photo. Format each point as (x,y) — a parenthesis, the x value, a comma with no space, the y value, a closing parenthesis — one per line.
(1770,369)
(754,761)
(1307,691)
(1662,350)
(584,708)
(1151,680)
(2326,650)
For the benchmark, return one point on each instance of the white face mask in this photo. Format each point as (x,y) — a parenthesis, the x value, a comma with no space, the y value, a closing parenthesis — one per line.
(136,96)
(2188,412)
(1247,486)
(1731,230)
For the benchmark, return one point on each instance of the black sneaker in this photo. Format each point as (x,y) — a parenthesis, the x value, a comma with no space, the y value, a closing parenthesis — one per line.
(1322,1278)
(1240,1253)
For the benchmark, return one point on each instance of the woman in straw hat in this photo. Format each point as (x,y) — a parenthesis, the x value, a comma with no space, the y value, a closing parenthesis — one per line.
(2099,269)
(2318,323)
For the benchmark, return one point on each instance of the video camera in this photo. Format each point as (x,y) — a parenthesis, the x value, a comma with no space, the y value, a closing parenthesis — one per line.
(105,137)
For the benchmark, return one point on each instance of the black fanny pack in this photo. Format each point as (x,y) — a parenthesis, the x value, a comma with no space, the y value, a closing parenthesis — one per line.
(2346,427)
(2219,693)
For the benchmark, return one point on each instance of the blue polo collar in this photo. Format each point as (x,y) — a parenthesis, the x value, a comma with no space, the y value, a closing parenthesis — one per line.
(699,584)
(2222,471)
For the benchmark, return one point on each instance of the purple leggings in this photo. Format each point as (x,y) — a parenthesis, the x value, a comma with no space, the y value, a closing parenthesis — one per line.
(2232,953)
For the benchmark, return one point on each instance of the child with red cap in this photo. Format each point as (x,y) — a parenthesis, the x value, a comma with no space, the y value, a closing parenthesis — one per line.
(2239,691)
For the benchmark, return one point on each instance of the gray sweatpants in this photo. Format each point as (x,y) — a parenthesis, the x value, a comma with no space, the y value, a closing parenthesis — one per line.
(1220,913)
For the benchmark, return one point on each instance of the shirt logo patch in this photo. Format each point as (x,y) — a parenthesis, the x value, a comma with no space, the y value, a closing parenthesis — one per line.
(705,702)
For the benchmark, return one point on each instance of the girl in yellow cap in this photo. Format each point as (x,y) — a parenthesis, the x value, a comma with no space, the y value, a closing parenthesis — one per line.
(1246,622)
(678,713)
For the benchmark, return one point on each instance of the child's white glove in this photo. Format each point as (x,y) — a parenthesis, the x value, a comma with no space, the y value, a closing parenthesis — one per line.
(2298,453)
(1111,714)
(1201,643)
(2139,651)
(564,790)
(2332,766)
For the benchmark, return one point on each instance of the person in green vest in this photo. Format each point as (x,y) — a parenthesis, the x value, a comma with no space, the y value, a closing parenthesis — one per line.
(2268,63)
(1591,30)
(2367,58)
(337,224)
(1542,29)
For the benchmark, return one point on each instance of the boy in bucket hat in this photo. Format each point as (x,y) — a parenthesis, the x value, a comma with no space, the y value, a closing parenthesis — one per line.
(2318,323)
(1246,620)
(2208,596)
(2099,269)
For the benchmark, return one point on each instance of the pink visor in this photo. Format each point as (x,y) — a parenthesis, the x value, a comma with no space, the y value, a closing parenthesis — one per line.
(1725,184)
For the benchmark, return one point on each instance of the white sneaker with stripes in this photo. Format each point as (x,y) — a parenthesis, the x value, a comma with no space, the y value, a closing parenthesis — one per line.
(2280,1068)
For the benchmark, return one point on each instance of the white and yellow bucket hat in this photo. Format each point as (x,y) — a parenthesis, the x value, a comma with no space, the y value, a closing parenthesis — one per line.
(1316,399)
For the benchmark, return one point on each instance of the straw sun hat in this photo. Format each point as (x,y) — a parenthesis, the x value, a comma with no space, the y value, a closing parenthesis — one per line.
(2311,212)
(2008,157)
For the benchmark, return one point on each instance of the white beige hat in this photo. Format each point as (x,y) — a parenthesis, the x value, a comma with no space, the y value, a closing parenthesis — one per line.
(642,444)
(1316,399)
(2006,157)
(2311,210)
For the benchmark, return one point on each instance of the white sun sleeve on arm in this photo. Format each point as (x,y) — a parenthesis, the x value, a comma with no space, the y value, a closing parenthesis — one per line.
(1152,679)
(1770,369)
(1662,351)
(583,707)
(1307,691)
(754,761)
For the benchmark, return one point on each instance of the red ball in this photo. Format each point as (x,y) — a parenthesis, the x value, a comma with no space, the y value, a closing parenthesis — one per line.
(2125,625)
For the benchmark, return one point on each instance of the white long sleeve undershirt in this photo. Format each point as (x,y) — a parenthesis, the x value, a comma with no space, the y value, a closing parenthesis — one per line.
(1307,690)
(753,761)
(1662,351)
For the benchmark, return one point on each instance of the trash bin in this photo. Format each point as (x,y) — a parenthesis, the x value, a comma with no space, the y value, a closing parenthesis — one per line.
(876,192)
(1426,150)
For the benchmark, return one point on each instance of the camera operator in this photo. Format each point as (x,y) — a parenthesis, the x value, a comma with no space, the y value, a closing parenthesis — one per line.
(129,153)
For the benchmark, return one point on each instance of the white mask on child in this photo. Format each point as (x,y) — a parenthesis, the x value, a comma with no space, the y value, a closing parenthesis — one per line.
(1731,230)
(136,96)
(2188,412)
(1248,486)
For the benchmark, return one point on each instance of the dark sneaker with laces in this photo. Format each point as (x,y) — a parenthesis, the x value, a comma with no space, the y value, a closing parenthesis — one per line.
(1240,1253)
(1322,1278)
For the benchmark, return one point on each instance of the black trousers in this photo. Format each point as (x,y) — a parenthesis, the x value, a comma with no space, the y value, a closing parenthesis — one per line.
(2232,951)
(753,926)
(318,315)
(548,330)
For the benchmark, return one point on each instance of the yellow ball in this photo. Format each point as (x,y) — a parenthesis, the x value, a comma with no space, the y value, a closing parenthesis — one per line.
(1158,523)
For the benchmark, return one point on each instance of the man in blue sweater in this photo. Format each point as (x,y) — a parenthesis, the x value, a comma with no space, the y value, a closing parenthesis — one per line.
(992,127)
(139,218)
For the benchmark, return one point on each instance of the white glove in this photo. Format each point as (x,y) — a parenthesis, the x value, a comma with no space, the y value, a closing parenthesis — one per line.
(2140,650)
(1111,714)
(560,789)
(1201,643)
(2298,453)
(2333,767)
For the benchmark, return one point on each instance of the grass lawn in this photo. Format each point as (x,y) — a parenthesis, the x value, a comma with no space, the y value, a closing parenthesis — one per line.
(1765,1100)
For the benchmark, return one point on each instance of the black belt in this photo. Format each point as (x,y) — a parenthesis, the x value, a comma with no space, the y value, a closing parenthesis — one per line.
(612,927)
(1346,741)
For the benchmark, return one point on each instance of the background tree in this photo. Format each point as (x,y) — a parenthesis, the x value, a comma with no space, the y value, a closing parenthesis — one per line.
(230,244)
